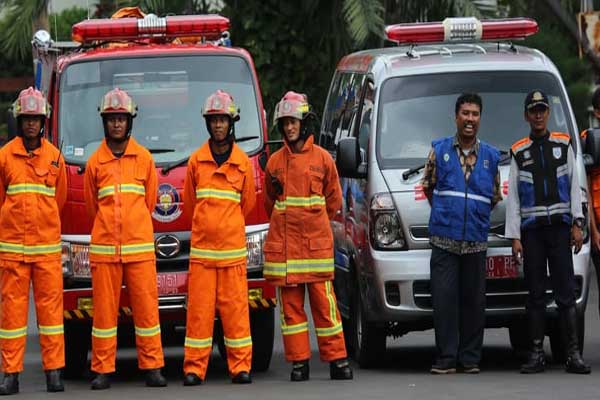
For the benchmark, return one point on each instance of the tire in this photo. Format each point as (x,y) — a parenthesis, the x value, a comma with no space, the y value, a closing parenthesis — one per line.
(518,334)
(557,339)
(366,341)
(262,327)
(78,341)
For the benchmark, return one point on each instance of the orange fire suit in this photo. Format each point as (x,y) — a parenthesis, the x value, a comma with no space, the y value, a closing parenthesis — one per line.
(33,191)
(119,195)
(299,247)
(219,198)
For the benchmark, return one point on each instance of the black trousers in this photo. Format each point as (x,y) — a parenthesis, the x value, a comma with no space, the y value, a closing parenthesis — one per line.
(548,246)
(458,294)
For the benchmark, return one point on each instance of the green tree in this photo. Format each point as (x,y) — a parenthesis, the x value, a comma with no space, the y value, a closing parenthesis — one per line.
(25,17)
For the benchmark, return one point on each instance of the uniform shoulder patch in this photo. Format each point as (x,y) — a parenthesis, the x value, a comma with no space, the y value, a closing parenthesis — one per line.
(520,144)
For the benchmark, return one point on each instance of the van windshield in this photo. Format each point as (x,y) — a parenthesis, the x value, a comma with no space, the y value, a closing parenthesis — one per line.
(415,110)
(169,92)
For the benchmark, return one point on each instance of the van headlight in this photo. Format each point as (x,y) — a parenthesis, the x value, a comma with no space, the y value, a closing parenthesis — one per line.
(255,241)
(385,228)
(76,260)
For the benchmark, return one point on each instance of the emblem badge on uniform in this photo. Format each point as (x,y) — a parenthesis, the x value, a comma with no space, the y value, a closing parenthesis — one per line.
(556,152)
(168,206)
(446,157)
(526,154)
(486,164)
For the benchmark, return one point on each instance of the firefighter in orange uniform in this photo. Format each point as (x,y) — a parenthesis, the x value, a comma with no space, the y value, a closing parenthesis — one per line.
(33,190)
(120,189)
(218,195)
(302,194)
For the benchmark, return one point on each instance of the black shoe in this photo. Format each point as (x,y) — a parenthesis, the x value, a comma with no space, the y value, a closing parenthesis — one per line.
(300,371)
(101,382)
(242,377)
(574,363)
(536,361)
(154,378)
(442,369)
(192,380)
(340,370)
(471,369)
(10,384)
(54,381)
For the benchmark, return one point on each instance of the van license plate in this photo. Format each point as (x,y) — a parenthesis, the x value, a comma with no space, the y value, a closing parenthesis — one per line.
(502,267)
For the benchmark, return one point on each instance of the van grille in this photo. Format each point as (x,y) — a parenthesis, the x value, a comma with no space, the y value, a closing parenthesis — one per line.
(500,293)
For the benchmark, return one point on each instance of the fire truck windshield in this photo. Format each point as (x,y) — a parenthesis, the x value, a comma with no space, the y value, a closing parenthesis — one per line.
(169,92)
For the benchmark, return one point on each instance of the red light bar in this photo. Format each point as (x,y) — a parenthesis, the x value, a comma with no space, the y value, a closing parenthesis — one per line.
(208,26)
(456,30)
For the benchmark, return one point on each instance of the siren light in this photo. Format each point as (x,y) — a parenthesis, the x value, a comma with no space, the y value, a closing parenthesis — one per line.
(210,26)
(458,30)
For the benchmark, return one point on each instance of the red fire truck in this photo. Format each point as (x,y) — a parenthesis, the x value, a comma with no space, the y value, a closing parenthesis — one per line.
(169,66)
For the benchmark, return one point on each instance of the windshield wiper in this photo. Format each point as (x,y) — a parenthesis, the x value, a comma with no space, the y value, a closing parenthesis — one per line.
(154,151)
(174,164)
(412,171)
(245,138)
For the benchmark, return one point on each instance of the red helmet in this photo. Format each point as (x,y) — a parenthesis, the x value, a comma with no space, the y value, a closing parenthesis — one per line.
(293,105)
(117,101)
(31,102)
(221,103)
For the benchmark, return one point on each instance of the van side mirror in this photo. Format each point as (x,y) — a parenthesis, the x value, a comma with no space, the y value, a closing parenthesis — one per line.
(592,147)
(11,123)
(349,160)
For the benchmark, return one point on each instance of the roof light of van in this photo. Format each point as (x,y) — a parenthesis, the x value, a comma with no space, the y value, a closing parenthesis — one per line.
(462,30)
(208,26)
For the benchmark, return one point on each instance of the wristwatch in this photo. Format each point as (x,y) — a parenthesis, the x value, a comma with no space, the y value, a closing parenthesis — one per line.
(578,222)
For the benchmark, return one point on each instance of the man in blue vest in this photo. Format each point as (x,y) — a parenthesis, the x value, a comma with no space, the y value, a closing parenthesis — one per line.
(544,219)
(462,183)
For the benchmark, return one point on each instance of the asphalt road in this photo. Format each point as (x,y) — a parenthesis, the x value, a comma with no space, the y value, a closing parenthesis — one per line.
(403,375)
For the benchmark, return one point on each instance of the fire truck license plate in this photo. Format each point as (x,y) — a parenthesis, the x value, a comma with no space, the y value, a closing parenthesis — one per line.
(169,283)
(502,267)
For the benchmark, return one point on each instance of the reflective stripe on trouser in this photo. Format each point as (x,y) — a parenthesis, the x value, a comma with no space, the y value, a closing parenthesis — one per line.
(46,277)
(140,279)
(326,316)
(224,289)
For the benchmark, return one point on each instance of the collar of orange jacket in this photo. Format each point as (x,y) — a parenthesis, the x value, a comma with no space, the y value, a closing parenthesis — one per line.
(20,150)
(306,147)
(236,157)
(105,153)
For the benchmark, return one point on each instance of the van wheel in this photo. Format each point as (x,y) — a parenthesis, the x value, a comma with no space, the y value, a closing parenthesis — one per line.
(78,341)
(262,326)
(366,342)
(518,334)
(557,339)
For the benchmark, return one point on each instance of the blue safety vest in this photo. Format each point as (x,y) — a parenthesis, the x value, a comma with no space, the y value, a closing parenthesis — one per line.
(461,210)
(544,182)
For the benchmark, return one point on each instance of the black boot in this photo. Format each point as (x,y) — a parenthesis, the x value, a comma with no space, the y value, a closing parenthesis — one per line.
(192,380)
(536,361)
(101,382)
(574,363)
(54,382)
(154,378)
(10,384)
(340,370)
(242,377)
(300,371)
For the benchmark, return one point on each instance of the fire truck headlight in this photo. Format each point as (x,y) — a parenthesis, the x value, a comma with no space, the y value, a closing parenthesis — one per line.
(254,245)
(76,260)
